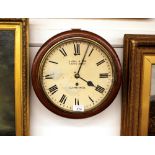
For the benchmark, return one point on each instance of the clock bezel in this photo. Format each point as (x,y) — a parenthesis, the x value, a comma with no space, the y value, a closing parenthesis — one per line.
(36,82)
(76,39)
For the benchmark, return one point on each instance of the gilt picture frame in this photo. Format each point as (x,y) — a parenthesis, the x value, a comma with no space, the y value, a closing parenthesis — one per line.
(14,77)
(138,95)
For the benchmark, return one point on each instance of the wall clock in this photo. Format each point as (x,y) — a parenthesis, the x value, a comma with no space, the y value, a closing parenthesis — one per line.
(76,74)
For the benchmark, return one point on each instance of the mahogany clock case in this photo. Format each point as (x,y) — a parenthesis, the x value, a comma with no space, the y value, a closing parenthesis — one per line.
(51,42)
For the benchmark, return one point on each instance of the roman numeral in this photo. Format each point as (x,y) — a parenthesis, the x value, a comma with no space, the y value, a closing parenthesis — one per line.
(91,52)
(100,62)
(63,51)
(91,99)
(99,89)
(76,49)
(104,75)
(48,76)
(76,101)
(53,62)
(53,89)
(63,99)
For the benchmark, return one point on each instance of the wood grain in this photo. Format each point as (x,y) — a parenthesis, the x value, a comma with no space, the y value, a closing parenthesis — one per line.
(37,84)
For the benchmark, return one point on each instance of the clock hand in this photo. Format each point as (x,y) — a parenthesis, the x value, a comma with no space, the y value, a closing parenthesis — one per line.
(83,59)
(89,83)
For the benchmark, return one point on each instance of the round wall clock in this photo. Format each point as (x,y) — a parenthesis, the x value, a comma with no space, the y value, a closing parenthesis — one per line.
(76,74)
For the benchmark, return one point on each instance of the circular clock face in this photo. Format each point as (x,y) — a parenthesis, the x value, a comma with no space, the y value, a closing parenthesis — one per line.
(76,76)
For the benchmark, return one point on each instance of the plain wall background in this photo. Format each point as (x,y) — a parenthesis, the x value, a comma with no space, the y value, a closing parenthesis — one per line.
(44,122)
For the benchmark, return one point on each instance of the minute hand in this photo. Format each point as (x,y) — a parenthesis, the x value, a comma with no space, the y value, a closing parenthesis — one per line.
(83,59)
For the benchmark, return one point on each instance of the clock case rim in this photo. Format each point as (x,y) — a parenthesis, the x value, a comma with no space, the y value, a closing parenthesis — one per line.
(37,86)
(76,39)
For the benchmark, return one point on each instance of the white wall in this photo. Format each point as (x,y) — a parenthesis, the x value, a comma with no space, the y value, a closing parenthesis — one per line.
(44,122)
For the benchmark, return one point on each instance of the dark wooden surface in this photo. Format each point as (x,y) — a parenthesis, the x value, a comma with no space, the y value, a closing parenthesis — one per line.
(36,81)
(135,46)
(151,129)
(7,92)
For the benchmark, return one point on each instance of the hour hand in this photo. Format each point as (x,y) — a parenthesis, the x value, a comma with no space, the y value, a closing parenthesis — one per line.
(89,83)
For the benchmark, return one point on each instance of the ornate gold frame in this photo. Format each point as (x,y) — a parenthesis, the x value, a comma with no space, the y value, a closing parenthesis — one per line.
(148,61)
(139,55)
(21,59)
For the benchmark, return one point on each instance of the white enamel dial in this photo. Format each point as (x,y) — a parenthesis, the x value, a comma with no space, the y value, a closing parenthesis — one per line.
(76,72)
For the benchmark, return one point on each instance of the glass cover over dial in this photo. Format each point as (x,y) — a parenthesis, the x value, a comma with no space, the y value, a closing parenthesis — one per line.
(77,72)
